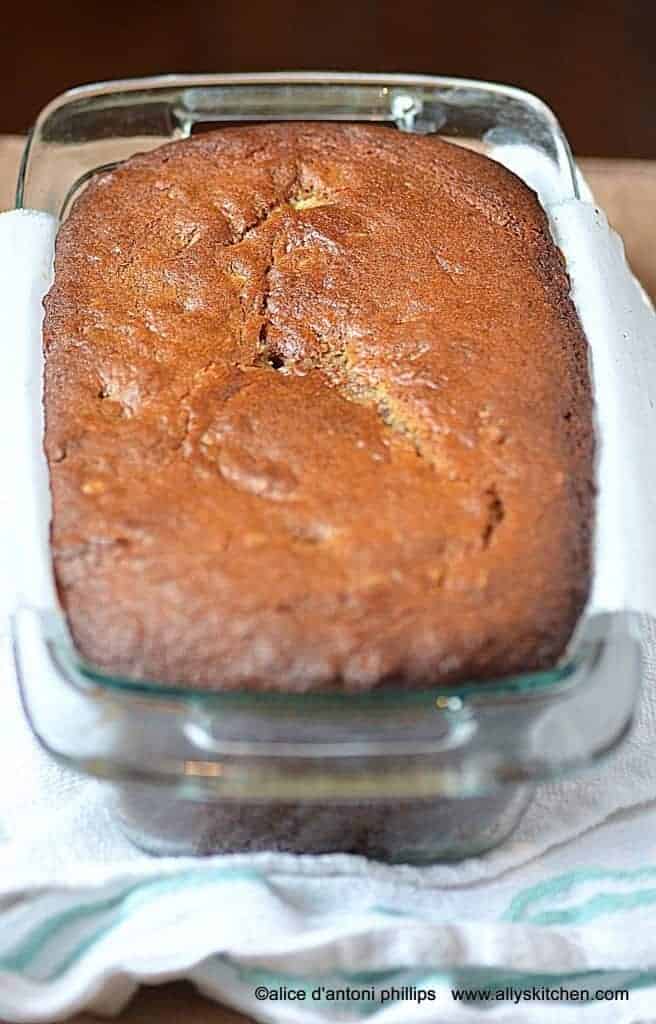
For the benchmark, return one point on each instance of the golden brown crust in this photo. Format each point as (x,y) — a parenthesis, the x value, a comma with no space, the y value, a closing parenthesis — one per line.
(318,415)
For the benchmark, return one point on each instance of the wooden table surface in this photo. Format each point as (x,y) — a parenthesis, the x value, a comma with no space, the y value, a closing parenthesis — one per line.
(626,189)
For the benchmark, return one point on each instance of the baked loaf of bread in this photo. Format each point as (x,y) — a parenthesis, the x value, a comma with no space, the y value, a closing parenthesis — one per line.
(318,415)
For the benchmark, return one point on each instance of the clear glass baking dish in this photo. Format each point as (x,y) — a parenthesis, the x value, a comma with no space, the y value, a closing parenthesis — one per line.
(397,775)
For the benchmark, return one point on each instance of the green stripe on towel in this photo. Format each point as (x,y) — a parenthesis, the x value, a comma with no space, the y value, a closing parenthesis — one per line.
(123,904)
(520,908)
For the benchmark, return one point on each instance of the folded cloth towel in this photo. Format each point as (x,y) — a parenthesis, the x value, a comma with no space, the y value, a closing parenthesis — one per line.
(566,904)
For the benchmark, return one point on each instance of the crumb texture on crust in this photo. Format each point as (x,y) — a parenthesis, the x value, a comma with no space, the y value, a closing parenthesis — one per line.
(318,415)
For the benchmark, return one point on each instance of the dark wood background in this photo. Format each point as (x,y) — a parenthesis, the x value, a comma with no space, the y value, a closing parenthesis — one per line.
(594,61)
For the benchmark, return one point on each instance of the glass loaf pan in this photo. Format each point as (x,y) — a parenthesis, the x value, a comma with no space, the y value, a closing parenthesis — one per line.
(406,776)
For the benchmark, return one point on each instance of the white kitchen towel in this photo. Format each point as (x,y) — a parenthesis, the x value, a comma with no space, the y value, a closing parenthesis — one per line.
(566,903)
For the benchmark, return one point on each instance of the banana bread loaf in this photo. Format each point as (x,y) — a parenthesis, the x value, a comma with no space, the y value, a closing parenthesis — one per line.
(318,415)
